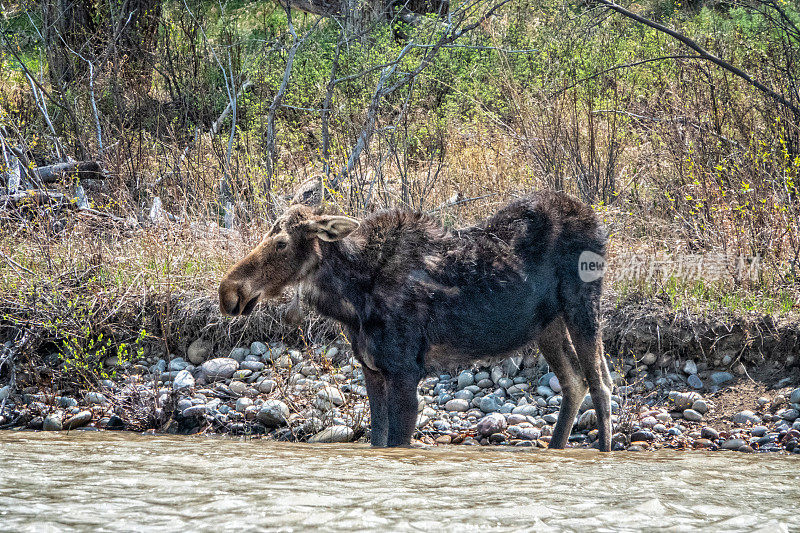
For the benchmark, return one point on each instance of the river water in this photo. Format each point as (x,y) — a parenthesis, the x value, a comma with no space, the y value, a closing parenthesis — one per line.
(103,481)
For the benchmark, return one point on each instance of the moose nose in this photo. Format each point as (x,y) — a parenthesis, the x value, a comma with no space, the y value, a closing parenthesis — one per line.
(228,298)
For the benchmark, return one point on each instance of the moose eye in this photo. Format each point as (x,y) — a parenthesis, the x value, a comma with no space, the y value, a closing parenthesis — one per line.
(280,245)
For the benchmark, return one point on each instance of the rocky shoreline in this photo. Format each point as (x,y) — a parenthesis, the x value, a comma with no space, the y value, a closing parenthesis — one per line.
(317,394)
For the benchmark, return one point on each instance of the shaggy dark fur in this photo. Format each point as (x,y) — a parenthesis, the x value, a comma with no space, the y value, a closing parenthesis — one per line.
(411,293)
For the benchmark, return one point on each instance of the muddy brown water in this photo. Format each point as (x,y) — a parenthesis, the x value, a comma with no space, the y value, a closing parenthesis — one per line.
(103,481)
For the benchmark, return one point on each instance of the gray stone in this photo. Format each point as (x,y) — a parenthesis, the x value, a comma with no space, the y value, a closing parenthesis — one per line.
(78,420)
(587,420)
(242,374)
(550,418)
(194,411)
(554,384)
(489,404)
(331,394)
(491,424)
(273,413)
(465,379)
(505,382)
(266,386)
(243,403)
(648,359)
(709,433)
(733,444)
(759,431)
(333,434)
(239,354)
(695,382)
(66,401)
(178,364)
(524,432)
(486,383)
(545,379)
(184,403)
(457,405)
(96,398)
(512,365)
(795,396)
(721,377)
(5,392)
(690,367)
(238,387)
(184,380)
(642,435)
(788,414)
(701,406)
(543,390)
(252,366)
(692,415)
(198,351)
(52,422)
(258,348)
(683,400)
(497,373)
(219,368)
(527,410)
(745,417)
(481,375)
(519,388)
(464,395)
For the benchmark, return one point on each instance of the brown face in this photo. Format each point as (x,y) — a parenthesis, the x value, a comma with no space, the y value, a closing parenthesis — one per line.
(288,254)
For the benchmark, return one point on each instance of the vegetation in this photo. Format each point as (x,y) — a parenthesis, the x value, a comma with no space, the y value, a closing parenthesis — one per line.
(207,117)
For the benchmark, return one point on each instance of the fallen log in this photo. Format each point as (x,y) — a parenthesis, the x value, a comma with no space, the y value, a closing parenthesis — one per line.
(81,169)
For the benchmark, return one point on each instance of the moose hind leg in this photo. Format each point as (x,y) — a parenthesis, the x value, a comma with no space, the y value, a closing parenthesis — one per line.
(557,349)
(378,406)
(588,345)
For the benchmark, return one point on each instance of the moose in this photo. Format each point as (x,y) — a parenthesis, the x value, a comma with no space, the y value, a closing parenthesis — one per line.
(412,295)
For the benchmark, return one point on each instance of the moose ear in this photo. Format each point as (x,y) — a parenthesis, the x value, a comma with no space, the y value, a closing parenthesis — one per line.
(332,228)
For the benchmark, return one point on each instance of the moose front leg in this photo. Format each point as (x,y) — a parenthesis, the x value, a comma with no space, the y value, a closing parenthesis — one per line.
(377,394)
(402,397)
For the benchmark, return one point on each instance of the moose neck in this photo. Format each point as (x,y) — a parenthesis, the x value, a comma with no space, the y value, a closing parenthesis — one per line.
(333,289)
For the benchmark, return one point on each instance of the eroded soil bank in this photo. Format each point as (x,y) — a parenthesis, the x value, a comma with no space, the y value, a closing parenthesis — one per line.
(713,381)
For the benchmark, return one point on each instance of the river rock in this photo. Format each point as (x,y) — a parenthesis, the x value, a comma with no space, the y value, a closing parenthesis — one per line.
(544,390)
(695,382)
(5,392)
(527,410)
(648,359)
(491,424)
(52,422)
(252,366)
(733,444)
(718,378)
(184,380)
(746,417)
(239,354)
(554,384)
(198,351)
(683,400)
(642,435)
(266,386)
(457,405)
(587,420)
(759,431)
(690,367)
(258,348)
(177,364)
(219,368)
(512,365)
(273,413)
(527,432)
(701,406)
(692,415)
(195,410)
(709,433)
(788,414)
(331,394)
(96,398)
(243,403)
(489,404)
(333,434)
(465,379)
(78,420)
(794,397)
(238,387)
